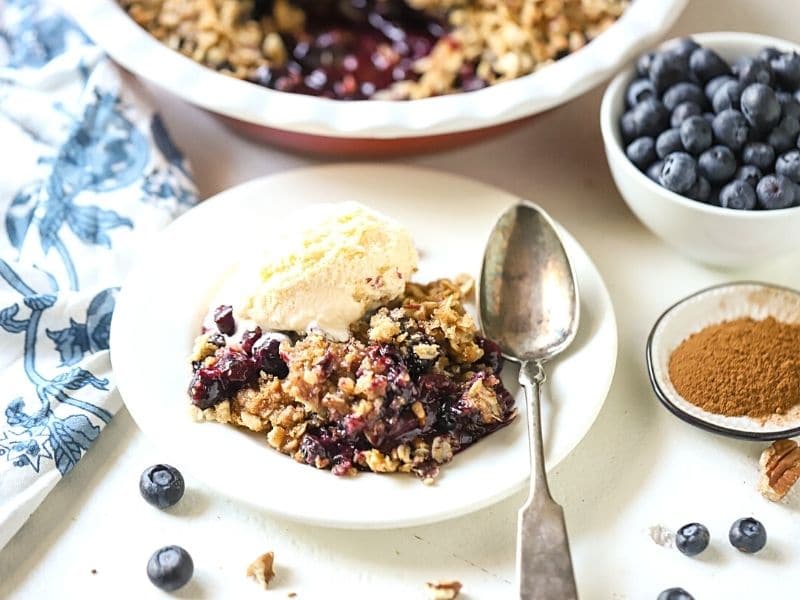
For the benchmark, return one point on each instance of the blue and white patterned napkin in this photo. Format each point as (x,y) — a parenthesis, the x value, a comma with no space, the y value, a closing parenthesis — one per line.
(88,175)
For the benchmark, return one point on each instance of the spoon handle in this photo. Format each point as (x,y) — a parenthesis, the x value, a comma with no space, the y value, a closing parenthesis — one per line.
(544,565)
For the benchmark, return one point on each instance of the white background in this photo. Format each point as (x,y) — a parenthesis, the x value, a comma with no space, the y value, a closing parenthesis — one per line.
(637,468)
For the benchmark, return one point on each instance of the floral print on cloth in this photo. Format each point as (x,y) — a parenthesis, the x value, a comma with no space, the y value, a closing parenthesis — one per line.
(89,174)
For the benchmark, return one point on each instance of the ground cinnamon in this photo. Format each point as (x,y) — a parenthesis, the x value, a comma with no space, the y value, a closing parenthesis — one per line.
(740,368)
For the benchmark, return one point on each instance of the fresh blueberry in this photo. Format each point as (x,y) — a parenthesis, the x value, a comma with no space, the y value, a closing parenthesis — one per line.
(675,594)
(223,317)
(161,485)
(692,539)
(760,106)
(668,142)
(727,96)
(641,152)
(668,68)
(750,174)
(786,68)
(748,535)
(654,171)
(717,164)
(683,92)
(768,53)
(780,140)
(775,192)
(788,165)
(790,107)
(679,172)
(715,84)
(707,64)
(643,64)
(738,195)
(753,70)
(681,47)
(790,125)
(696,135)
(759,155)
(627,127)
(700,191)
(730,128)
(170,568)
(683,111)
(650,117)
(639,90)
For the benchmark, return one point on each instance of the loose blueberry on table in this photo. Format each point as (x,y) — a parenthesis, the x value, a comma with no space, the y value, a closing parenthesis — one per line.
(170,568)
(692,539)
(675,594)
(403,394)
(161,485)
(720,134)
(748,535)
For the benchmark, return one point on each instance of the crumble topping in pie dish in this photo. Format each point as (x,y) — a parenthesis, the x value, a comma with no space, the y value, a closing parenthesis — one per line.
(409,382)
(358,49)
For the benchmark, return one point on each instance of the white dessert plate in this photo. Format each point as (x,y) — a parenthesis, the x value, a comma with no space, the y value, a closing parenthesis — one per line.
(164,298)
(726,302)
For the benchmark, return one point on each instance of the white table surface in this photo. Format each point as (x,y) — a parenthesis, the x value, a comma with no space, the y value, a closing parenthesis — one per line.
(638,467)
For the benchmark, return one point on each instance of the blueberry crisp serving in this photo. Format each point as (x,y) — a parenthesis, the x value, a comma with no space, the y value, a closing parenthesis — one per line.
(406,386)
(722,134)
(360,49)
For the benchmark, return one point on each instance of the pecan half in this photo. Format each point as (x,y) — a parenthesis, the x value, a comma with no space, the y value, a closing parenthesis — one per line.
(780,469)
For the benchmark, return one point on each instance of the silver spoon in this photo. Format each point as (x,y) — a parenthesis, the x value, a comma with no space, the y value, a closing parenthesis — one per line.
(528,302)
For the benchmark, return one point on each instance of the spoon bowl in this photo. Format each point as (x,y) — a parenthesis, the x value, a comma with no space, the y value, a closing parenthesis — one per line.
(528,296)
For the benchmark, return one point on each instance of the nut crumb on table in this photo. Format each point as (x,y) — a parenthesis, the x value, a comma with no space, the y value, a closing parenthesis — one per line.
(261,569)
(443,590)
(780,469)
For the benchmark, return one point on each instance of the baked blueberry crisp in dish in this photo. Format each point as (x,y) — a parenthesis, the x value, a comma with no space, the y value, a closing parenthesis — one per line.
(407,385)
(360,49)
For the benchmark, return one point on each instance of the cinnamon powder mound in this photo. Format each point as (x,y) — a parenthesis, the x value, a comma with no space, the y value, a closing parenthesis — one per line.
(742,367)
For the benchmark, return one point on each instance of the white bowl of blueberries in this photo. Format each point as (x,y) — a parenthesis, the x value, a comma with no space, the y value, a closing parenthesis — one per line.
(703,141)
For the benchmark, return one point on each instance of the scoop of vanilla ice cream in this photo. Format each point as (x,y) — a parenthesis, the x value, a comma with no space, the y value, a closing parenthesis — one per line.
(332,264)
